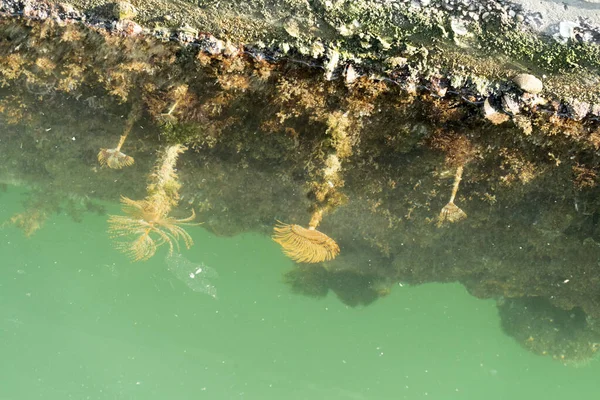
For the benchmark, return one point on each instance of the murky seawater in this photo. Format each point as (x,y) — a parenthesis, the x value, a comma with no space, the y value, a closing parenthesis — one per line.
(79,321)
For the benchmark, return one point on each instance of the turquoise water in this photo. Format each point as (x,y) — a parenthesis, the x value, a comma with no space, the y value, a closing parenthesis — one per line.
(79,321)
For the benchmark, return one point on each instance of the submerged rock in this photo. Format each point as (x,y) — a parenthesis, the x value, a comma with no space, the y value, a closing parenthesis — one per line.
(528,83)
(124,10)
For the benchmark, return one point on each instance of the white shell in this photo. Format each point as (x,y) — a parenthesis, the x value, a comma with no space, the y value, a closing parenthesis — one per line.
(528,83)
(351,74)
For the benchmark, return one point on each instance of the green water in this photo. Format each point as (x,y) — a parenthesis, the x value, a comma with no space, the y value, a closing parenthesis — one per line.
(79,321)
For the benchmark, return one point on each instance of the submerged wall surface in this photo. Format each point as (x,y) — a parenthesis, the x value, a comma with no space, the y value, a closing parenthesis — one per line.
(433,141)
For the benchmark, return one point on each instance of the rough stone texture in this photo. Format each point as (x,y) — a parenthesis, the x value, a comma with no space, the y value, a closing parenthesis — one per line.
(482,40)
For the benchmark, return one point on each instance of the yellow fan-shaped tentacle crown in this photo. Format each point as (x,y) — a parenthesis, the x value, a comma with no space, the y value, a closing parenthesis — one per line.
(305,245)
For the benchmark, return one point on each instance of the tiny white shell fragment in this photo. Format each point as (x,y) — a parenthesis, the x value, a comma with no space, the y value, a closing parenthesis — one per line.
(331,64)
(351,74)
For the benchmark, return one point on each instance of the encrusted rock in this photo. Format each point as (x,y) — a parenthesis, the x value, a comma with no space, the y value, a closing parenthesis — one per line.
(292,28)
(331,64)
(528,83)
(578,109)
(524,124)
(124,10)
(187,34)
(66,8)
(566,29)
(492,114)
(396,62)
(127,27)
(317,49)
(458,26)
(510,104)
(230,49)
(208,43)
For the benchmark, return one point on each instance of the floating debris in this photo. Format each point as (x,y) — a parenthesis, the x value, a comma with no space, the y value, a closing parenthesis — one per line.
(196,276)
